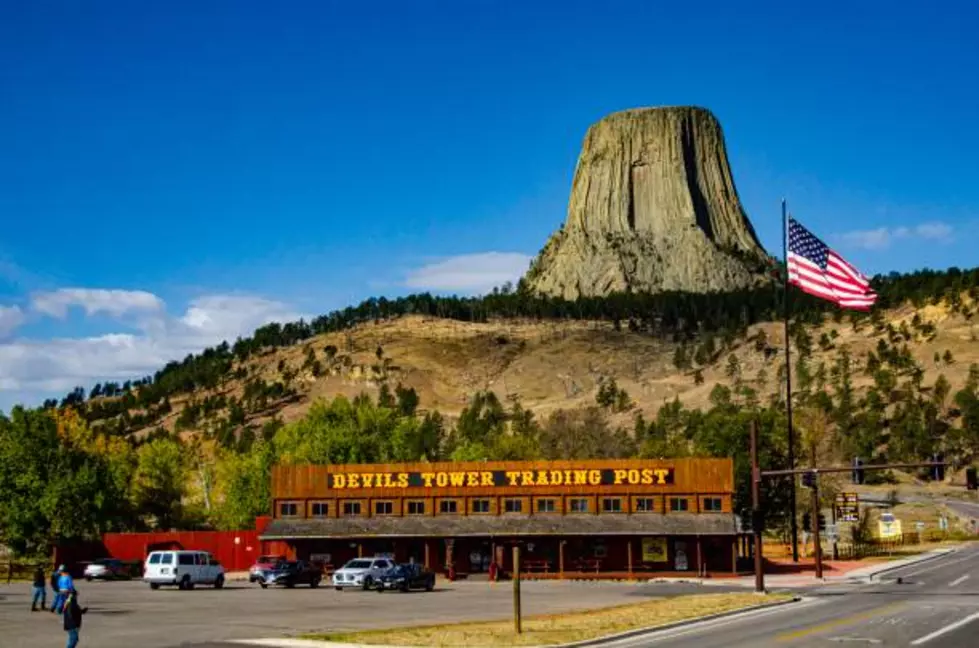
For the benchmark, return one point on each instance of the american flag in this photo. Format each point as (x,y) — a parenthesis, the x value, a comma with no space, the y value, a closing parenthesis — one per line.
(820,271)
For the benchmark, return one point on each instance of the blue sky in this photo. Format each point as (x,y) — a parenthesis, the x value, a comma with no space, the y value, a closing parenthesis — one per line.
(176,173)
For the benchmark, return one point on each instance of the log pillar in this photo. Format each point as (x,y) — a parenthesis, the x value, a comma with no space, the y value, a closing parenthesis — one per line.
(628,553)
(560,558)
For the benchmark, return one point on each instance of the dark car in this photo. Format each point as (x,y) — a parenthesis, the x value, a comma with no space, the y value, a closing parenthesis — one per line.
(405,577)
(291,573)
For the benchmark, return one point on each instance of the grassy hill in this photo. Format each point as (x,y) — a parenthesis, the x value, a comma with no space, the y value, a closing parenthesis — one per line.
(554,365)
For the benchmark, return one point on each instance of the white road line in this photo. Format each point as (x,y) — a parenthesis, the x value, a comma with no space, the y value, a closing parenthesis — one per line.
(958,580)
(943,631)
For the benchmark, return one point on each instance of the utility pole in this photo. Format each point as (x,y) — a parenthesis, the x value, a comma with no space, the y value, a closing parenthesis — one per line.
(817,548)
(517,622)
(756,516)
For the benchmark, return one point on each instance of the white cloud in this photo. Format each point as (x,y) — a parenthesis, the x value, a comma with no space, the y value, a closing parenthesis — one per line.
(11,317)
(44,367)
(882,237)
(471,273)
(115,303)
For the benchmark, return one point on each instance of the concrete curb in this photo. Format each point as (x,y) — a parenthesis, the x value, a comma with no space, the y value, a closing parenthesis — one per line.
(923,558)
(597,641)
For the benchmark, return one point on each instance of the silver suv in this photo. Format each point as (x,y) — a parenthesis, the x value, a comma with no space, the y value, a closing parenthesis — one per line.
(361,572)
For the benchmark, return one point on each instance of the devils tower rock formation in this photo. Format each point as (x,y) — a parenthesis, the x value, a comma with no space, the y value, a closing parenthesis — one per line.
(653,208)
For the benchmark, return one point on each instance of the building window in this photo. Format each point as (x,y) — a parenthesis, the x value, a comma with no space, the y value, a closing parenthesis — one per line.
(288,509)
(612,505)
(578,505)
(546,505)
(679,504)
(383,508)
(712,504)
(448,506)
(351,508)
(512,506)
(481,506)
(416,508)
(319,509)
(644,505)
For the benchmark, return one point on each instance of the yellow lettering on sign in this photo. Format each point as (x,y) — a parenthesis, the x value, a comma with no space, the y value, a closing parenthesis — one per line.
(339,481)
(403,480)
(367,479)
(633,476)
(661,474)
(441,479)
(485,479)
(620,476)
(580,477)
(426,479)
(556,478)
(527,477)
(567,477)
(353,480)
(512,476)
(594,477)
(457,479)
(472,479)
(542,478)
(647,477)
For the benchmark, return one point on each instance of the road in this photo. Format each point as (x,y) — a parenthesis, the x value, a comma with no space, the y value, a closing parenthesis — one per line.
(936,605)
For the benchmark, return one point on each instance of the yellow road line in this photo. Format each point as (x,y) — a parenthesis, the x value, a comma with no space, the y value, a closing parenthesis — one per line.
(836,623)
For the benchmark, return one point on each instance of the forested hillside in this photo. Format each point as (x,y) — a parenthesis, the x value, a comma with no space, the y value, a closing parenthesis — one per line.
(508,375)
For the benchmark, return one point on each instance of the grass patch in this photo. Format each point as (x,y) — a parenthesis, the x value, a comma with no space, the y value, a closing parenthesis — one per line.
(559,628)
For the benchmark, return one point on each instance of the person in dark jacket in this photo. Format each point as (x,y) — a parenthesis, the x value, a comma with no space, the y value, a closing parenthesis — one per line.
(55,575)
(73,617)
(40,592)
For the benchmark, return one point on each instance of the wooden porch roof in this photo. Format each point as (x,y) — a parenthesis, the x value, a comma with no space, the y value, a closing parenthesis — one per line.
(451,526)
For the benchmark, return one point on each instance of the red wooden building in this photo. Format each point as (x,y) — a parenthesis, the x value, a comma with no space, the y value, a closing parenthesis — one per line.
(587,517)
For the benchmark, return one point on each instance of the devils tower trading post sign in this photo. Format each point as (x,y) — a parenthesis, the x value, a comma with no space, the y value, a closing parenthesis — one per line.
(504,478)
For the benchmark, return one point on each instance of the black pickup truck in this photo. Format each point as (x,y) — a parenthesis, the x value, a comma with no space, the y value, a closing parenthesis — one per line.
(405,577)
(291,573)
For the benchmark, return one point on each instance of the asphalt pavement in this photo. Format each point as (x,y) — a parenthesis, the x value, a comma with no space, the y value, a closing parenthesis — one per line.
(935,604)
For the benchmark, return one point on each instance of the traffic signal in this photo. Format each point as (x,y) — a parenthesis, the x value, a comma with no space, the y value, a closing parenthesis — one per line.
(857,476)
(809,479)
(806,521)
(822,522)
(971,479)
(938,472)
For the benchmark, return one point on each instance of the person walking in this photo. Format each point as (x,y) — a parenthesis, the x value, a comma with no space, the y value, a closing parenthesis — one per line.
(65,585)
(73,617)
(40,591)
(55,597)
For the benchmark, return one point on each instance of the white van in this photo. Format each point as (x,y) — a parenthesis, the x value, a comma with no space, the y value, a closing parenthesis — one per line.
(183,569)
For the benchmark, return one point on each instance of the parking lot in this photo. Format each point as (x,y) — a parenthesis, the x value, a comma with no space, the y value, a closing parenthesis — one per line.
(126,614)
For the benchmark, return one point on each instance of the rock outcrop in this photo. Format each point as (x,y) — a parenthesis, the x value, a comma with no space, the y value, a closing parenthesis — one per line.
(653,208)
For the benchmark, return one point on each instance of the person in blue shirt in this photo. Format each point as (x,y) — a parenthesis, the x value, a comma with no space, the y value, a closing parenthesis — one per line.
(65,585)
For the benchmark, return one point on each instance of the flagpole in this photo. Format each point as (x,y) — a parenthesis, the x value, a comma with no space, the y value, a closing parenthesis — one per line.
(788,377)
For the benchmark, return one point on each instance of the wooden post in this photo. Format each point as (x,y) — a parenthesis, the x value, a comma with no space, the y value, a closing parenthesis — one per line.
(628,553)
(428,560)
(517,623)
(560,557)
(756,516)
(734,555)
(700,558)
(360,550)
